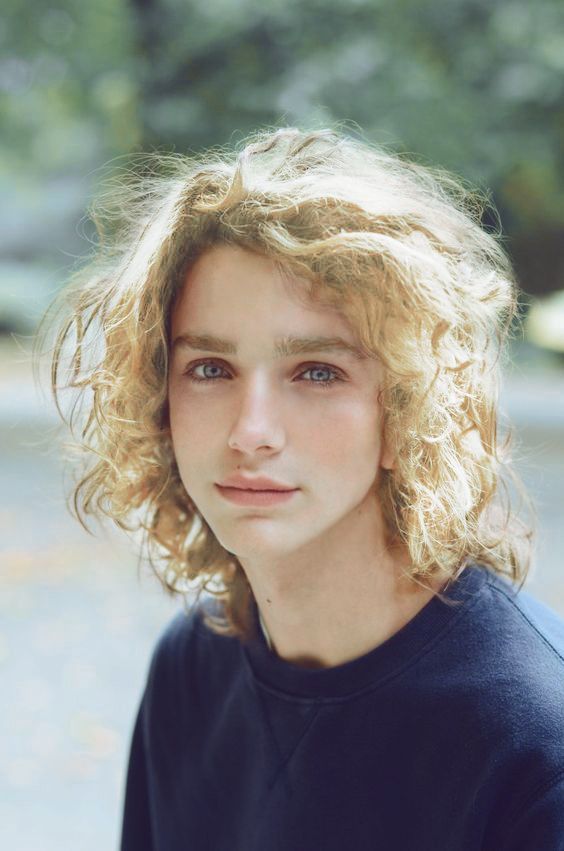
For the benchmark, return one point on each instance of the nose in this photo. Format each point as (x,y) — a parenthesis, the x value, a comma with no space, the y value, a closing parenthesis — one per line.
(257,423)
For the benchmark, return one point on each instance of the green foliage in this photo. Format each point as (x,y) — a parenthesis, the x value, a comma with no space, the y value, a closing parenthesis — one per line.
(474,85)
(68,95)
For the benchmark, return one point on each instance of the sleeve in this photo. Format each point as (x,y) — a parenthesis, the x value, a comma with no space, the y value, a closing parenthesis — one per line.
(540,823)
(136,834)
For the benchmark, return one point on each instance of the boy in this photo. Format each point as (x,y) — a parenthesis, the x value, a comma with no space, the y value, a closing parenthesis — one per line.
(292,354)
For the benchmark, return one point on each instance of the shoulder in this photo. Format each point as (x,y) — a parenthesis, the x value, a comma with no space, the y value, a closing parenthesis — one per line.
(540,625)
(496,681)
(504,627)
(528,659)
(513,645)
(187,658)
(512,680)
(185,638)
(180,633)
(525,637)
(528,654)
(501,664)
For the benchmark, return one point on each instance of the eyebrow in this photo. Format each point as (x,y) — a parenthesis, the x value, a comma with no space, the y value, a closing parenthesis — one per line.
(284,346)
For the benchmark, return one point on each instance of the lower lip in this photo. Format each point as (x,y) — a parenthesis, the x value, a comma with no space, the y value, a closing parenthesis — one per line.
(249,497)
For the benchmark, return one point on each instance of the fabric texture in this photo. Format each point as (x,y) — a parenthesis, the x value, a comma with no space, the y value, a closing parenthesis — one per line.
(449,736)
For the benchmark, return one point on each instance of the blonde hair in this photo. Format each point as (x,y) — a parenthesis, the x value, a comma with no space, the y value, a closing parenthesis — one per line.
(397,248)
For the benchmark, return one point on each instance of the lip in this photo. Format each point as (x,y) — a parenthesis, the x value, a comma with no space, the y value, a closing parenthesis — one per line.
(254,483)
(242,496)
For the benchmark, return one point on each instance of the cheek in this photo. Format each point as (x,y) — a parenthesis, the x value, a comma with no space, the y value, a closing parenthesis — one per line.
(350,440)
(191,430)
(188,409)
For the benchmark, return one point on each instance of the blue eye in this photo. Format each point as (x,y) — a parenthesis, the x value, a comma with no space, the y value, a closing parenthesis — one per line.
(191,373)
(325,369)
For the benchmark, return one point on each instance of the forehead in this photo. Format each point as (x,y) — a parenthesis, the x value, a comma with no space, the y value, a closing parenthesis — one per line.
(231,292)
(227,273)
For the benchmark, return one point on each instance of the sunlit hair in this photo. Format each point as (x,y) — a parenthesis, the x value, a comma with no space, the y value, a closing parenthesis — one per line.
(398,249)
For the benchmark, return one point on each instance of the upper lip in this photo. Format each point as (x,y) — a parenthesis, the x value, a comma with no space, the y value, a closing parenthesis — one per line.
(255,483)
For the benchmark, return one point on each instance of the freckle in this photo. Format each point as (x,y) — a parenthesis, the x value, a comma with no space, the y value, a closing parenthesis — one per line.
(268,601)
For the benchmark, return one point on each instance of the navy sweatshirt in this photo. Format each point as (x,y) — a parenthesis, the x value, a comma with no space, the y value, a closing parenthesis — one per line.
(449,736)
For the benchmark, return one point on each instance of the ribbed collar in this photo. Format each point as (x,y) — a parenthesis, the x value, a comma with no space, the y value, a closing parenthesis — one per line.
(373,667)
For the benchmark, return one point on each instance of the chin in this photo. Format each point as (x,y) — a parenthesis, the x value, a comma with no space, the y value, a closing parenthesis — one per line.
(253,545)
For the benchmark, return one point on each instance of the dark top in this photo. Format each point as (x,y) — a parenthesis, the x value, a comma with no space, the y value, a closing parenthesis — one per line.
(449,736)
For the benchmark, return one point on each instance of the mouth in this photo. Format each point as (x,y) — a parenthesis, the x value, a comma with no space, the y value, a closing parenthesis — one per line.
(247,496)
(257,490)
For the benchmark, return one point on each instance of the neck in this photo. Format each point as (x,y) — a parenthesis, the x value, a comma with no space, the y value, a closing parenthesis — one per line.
(323,636)
(324,608)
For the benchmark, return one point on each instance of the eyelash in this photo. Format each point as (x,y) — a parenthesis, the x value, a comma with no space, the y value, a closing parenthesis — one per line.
(325,384)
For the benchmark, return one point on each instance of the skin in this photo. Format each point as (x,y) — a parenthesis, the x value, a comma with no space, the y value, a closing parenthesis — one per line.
(328,586)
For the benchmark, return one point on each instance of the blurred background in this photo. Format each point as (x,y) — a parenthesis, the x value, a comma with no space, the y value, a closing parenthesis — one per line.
(473,86)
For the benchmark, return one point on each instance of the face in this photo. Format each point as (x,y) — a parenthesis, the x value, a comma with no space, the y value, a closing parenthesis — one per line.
(309,419)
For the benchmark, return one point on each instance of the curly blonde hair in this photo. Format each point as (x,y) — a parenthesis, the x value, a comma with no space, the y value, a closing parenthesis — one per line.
(396,247)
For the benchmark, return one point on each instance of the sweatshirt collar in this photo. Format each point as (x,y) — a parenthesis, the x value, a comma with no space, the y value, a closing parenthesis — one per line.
(372,668)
